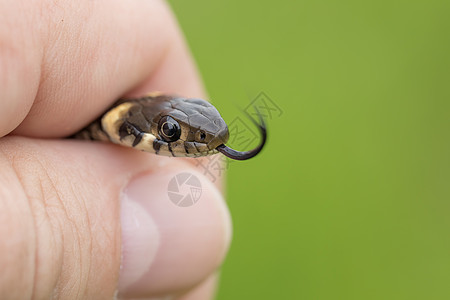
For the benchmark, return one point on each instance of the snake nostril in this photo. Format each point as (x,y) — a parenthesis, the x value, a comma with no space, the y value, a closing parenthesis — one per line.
(219,122)
(200,135)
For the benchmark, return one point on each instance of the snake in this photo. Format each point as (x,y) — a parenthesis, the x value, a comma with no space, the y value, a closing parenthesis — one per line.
(168,125)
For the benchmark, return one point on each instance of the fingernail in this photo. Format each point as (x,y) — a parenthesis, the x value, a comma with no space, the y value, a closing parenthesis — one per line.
(175,232)
(140,241)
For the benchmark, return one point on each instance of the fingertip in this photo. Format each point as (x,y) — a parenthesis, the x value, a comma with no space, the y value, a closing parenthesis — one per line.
(19,77)
(79,83)
(193,232)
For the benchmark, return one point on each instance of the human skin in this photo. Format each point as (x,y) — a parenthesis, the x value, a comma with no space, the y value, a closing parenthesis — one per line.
(85,220)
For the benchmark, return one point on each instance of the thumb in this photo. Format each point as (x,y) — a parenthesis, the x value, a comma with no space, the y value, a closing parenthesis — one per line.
(90,220)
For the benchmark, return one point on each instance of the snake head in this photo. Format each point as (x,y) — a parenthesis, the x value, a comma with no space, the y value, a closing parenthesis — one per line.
(197,126)
(172,126)
(189,127)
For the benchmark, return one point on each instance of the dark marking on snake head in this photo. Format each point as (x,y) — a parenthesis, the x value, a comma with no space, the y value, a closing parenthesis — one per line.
(170,149)
(156,146)
(123,131)
(138,139)
(127,129)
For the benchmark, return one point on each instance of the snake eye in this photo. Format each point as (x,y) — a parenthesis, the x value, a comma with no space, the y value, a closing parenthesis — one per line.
(169,129)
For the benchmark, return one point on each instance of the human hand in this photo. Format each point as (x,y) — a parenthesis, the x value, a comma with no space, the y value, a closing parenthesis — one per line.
(85,220)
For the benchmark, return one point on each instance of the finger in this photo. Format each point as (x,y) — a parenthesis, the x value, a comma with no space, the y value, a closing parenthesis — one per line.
(60,211)
(204,291)
(172,268)
(21,53)
(85,55)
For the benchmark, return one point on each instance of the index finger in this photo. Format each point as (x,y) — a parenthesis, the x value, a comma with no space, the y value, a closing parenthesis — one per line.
(81,56)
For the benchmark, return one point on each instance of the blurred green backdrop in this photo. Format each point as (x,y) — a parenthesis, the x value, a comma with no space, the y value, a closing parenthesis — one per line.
(351,197)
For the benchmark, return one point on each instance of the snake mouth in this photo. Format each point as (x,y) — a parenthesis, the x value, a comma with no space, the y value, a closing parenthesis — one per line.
(243,155)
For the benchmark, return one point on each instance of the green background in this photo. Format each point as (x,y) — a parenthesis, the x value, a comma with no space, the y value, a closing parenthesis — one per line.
(351,197)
